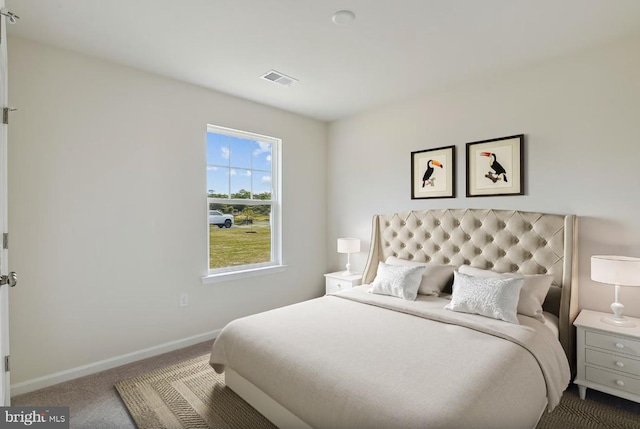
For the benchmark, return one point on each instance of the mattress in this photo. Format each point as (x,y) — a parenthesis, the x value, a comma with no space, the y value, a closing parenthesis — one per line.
(356,360)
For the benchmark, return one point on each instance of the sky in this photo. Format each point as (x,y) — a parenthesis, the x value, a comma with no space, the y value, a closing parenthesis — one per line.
(234,163)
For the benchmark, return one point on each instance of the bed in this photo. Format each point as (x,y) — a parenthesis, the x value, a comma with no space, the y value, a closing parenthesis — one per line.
(357,359)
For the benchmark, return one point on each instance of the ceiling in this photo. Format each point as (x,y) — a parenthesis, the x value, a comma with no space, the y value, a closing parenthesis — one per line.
(393,49)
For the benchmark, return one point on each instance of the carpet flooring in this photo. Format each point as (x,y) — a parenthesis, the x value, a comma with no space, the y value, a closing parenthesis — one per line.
(190,395)
(93,401)
(606,413)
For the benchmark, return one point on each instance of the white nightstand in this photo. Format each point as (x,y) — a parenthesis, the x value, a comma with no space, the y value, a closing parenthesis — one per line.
(608,356)
(335,282)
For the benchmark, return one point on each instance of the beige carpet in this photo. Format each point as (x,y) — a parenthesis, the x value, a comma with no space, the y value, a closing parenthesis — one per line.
(190,395)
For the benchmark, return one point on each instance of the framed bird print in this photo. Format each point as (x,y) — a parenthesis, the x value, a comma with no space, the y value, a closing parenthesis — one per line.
(433,173)
(496,167)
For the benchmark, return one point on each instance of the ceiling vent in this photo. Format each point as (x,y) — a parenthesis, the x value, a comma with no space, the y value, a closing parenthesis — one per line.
(279,78)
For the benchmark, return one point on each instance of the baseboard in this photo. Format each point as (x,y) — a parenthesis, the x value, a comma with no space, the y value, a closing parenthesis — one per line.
(92,368)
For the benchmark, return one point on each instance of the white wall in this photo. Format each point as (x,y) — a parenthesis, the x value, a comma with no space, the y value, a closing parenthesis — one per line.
(107,210)
(581,118)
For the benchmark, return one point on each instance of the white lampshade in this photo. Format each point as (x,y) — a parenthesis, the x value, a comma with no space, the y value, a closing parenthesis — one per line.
(348,245)
(616,270)
(619,271)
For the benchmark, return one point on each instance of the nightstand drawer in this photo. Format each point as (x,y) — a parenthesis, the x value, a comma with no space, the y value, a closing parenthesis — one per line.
(337,282)
(615,381)
(615,344)
(617,362)
(336,285)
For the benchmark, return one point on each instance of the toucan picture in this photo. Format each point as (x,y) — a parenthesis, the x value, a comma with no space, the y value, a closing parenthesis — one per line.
(498,169)
(427,174)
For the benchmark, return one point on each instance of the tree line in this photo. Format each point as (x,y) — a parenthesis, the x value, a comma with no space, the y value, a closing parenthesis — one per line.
(235,209)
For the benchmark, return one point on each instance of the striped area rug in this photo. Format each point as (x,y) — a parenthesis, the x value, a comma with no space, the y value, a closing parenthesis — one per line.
(190,395)
(598,411)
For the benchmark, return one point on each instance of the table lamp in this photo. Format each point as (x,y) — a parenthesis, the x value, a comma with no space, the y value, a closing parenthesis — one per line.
(348,246)
(619,271)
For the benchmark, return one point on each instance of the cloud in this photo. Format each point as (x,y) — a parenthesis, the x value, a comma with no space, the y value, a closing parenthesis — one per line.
(266,179)
(225,152)
(212,168)
(233,172)
(268,158)
(262,148)
(247,173)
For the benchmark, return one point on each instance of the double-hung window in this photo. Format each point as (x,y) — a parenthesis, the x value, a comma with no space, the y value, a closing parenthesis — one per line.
(243,202)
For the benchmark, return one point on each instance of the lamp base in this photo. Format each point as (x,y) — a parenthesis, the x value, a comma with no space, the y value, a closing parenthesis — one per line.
(618,321)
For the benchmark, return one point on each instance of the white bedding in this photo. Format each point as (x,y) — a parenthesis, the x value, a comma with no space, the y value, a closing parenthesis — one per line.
(359,360)
(552,322)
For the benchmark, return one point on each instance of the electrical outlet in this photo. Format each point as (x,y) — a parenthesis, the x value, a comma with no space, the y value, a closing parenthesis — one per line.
(184,299)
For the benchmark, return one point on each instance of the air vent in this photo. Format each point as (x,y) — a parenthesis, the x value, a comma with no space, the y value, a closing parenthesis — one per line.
(279,78)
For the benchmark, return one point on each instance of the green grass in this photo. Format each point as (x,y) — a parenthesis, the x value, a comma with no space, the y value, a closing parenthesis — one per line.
(238,246)
(256,218)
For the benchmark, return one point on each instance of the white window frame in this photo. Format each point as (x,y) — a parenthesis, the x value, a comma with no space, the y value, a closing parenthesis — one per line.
(275,265)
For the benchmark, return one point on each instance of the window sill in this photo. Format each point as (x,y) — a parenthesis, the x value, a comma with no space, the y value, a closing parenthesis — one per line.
(235,275)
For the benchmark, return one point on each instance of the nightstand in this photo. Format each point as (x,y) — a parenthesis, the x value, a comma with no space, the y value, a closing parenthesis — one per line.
(335,282)
(608,356)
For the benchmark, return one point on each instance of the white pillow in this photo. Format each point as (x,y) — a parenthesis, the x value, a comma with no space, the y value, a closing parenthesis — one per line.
(487,296)
(434,279)
(402,282)
(533,292)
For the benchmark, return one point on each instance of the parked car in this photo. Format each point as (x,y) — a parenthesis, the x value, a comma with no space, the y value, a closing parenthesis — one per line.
(220,219)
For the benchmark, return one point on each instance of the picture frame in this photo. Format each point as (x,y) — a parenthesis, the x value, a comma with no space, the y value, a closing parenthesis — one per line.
(433,173)
(495,167)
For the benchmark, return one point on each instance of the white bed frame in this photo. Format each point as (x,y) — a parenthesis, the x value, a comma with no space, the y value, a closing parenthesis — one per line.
(547,243)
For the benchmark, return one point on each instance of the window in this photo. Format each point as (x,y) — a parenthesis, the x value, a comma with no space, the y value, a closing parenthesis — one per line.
(243,201)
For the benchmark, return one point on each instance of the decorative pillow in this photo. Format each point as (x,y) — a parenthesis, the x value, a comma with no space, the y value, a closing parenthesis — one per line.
(434,279)
(490,297)
(533,292)
(402,282)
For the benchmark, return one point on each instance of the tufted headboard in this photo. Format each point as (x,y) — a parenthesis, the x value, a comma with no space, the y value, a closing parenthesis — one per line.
(499,240)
